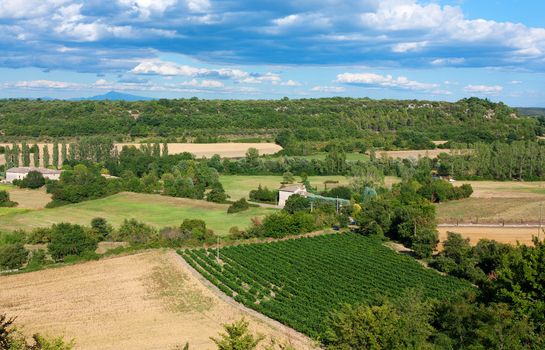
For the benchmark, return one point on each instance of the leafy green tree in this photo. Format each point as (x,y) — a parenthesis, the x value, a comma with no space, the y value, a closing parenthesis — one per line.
(13,256)
(217,194)
(237,336)
(101,227)
(165,149)
(196,228)
(288,178)
(68,239)
(34,179)
(296,203)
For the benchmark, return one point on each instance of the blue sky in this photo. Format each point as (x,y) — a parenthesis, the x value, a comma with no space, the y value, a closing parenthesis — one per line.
(408,49)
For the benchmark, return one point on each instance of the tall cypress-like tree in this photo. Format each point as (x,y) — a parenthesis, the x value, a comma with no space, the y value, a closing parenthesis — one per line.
(156,150)
(25,150)
(36,155)
(15,153)
(9,161)
(72,152)
(165,149)
(46,156)
(64,153)
(56,154)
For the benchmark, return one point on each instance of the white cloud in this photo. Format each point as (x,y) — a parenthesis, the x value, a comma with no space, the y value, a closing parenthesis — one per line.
(203,83)
(291,83)
(484,89)
(171,69)
(410,46)
(448,61)
(199,5)
(28,8)
(330,89)
(386,81)
(43,84)
(516,82)
(145,8)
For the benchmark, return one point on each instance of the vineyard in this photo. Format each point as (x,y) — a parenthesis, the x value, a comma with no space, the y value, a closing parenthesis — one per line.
(299,282)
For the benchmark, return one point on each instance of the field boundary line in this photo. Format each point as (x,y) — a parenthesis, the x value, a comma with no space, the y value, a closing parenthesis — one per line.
(289,332)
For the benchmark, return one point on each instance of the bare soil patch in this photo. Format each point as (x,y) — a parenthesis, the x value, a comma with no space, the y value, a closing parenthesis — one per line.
(30,199)
(142,301)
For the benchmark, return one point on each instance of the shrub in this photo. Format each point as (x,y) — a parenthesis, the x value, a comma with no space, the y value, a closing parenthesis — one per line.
(282,224)
(13,256)
(197,229)
(343,192)
(5,200)
(39,235)
(263,194)
(38,258)
(136,232)
(238,206)
(217,194)
(101,228)
(68,239)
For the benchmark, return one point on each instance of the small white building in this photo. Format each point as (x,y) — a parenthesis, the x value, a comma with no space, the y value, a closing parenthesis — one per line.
(20,173)
(286,191)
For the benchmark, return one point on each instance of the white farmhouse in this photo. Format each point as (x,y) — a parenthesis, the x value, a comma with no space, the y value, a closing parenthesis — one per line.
(20,173)
(286,191)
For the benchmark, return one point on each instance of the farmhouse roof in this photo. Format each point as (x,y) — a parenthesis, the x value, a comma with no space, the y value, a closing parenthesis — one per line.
(292,188)
(26,170)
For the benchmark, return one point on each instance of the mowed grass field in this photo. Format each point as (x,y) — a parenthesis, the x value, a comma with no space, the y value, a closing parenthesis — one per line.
(142,301)
(494,201)
(238,186)
(156,210)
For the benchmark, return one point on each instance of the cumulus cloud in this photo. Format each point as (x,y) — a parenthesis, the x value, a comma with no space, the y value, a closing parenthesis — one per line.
(484,89)
(386,81)
(43,84)
(158,67)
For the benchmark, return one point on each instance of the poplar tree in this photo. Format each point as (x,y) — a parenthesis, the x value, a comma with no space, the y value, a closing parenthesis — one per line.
(165,149)
(36,155)
(56,154)
(156,150)
(64,153)
(7,155)
(25,154)
(15,154)
(72,152)
(46,156)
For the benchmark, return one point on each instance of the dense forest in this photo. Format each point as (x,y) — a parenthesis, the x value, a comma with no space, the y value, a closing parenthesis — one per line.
(381,123)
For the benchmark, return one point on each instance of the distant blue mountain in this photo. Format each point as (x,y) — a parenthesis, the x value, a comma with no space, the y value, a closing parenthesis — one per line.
(113,96)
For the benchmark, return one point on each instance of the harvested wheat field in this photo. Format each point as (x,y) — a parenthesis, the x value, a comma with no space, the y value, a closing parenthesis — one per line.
(510,235)
(143,301)
(29,199)
(225,150)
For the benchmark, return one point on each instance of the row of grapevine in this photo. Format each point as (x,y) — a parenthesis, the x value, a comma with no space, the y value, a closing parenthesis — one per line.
(299,282)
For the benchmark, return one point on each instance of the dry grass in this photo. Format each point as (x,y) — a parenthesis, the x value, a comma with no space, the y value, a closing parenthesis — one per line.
(510,235)
(431,153)
(142,301)
(30,199)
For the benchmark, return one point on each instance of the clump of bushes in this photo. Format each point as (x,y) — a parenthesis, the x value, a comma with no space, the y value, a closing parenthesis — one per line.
(283,224)
(263,195)
(217,194)
(13,256)
(441,191)
(69,239)
(34,179)
(5,200)
(238,206)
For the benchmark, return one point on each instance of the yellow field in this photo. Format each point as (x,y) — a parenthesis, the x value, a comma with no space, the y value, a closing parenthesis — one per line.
(225,150)
(431,153)
(143,301)
(510,235)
